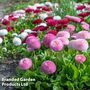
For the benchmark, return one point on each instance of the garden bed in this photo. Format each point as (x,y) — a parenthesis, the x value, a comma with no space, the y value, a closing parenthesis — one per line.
(46,46)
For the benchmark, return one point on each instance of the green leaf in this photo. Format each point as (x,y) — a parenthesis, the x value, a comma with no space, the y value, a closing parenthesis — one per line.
(88,70)
(88,82)
(84,78)
(57,87)
(71,72)
(75,74)
(37,85)
(70,85)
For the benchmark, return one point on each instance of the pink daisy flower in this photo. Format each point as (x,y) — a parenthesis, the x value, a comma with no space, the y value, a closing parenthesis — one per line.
(33,42)
(48,67)
(83,35)
(48,38)
(64,40)
(80,58)
(56,45)
(64,33)
(79,44)
(25,63)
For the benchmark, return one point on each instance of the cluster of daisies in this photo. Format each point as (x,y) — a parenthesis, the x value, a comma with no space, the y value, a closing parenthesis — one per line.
(57,31)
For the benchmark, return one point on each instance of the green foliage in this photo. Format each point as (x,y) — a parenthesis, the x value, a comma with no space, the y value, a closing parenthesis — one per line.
(82,1)
(66,7)
(69,75)
(87,19)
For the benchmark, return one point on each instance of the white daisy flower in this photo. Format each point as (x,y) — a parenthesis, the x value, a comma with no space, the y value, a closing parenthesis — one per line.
(17,41)
(43,24)
(3,32)
(32,7)
(6,17)
(57,17)
(23,35)
(49,4)
(43,16)
(28,31)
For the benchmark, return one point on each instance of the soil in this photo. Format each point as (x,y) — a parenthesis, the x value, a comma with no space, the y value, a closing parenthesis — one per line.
(6,70)
(1,10)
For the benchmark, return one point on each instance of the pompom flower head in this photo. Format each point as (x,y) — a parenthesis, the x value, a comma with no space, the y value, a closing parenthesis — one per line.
(65,34)
(52,22)
(80,58)
(25,63)
(5,22)
(73,18)
(79,44)
(33,42)
(47,39)
(70,28)
(48,67)
(43,16)
(83,14)
(3,32)
(47,18)
(52,32)
(85,26)
(37,21)
(81,7)
(56,17)
(83,35)
(63,21)
(9,28)
(17,41)
(23,35)
(64,40)
(56,45)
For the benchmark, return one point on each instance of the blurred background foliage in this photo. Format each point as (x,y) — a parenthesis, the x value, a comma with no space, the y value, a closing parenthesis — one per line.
(12,5)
